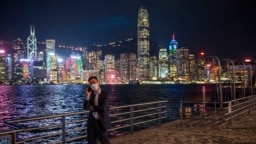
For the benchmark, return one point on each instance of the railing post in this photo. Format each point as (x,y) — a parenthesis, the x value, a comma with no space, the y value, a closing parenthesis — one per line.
(63,122)
(131,119)
(203,102)
(159,113)
(230,110)
(229,107)
(181,110)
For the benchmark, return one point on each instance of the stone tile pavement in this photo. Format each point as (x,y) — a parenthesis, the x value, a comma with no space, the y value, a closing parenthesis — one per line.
(242,131)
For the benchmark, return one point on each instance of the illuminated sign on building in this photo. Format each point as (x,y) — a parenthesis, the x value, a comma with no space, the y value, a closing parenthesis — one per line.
(25,67)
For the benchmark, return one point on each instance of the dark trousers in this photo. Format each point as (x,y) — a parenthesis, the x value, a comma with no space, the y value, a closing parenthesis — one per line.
(95,132)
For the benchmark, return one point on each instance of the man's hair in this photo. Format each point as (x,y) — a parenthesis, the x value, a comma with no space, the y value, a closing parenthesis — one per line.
(92,77)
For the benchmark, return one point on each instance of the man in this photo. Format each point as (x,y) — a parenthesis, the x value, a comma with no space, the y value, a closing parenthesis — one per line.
(97,102)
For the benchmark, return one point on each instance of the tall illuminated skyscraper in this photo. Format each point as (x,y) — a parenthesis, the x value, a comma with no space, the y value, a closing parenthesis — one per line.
(173,58)
(143,44)
(163,63)
(51,61)
(31,44)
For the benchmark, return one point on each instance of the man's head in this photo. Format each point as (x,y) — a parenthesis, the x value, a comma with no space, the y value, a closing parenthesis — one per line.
(94,83)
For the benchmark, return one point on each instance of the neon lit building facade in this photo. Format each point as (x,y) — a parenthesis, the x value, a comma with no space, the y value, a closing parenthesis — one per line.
(32,44)
(132,66)
(143,44)
(163,63)
(201,67)
(26,68)
(92,56)
(124,67)
(111,74)
(74,68)
(61,70)
(183,64)
(153,68)
(191,67)
(2,66)
(173,58)
(51,61)
(19,52)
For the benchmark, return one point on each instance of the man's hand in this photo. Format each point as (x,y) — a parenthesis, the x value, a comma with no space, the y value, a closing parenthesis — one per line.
(88,94)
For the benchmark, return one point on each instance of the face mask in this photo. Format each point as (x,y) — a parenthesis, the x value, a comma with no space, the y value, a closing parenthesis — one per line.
(94,86)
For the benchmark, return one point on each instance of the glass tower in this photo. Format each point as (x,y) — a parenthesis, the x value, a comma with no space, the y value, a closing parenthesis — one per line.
(143,44)
(173,58)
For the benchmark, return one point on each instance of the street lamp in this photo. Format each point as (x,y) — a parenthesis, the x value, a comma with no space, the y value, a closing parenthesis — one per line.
(219,77)
(249,73)
(233,76)
(243,82)
(251,79)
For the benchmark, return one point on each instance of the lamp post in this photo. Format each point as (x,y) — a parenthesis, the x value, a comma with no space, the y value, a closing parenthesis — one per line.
(243,82)
(233,76)
(250,72)
(219,77)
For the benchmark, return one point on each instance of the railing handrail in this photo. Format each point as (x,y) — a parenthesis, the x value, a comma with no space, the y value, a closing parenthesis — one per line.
(80,112)
(61,121)
(140,104)
(239,99)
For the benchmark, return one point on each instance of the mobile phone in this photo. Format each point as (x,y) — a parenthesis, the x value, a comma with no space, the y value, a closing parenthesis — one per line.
(89,89)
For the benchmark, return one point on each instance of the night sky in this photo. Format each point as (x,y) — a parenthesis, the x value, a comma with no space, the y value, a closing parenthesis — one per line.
(224,28)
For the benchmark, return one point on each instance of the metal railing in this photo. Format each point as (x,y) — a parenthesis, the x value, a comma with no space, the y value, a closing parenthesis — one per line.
(237,107)
(71,127)
(211,111)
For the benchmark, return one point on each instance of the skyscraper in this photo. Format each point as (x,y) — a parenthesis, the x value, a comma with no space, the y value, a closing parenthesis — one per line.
(173,57)
(143,44)
(163,63)
(31,44)
(51,61)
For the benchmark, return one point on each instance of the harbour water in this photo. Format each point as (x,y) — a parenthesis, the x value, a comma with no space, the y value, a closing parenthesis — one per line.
(30,100)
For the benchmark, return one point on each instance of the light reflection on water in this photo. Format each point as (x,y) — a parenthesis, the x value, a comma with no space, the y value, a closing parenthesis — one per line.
(28,101)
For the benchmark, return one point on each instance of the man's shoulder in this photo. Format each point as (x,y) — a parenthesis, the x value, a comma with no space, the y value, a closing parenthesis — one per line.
(103,92)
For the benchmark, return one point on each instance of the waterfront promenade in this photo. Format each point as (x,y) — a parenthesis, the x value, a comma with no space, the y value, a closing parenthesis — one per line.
(242,131)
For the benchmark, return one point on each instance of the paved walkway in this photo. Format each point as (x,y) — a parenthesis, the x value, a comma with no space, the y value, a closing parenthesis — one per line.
(242,131)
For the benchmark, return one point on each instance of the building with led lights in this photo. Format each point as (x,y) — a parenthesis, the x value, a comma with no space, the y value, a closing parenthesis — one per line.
(153,68)
(5,66)
(132,67)
(182,64)
(201,67)
(124,67)
(61,73)
(111,74)
(163,64)
(100,69)
(26,69)
(74,68)
(173,46)
(19,49)
(32,44)
(92,59)
(192,67)
(143,44)
(51,61)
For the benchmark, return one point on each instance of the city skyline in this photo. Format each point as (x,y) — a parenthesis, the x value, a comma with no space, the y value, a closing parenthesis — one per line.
(219,28)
